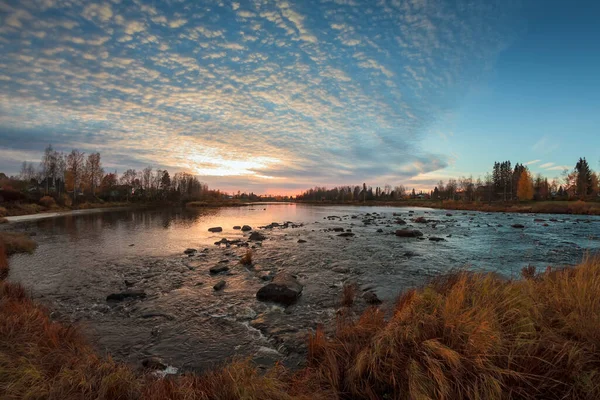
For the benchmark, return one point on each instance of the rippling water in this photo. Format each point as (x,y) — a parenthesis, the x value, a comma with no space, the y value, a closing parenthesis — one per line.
(83,258)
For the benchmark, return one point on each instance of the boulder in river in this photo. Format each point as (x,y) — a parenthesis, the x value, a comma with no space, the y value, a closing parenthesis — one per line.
(420,220)
(237,227)
(246,228)
(257,236)
(215,229)
(437,239)
(518,226)
(408,233)
(284,289)
(301,241)
(448,215)
(189,251)
(217,269)
(400,221)
(129,294)
(219,286)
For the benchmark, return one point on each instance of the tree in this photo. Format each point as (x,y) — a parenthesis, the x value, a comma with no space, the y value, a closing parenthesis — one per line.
(583,178)
(75,168)
(49,166)
(525,187)
(27,172)
(94,171)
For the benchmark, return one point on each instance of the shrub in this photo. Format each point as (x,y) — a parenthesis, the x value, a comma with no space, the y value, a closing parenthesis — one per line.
(247,258)
(47,202)
(3,212)
(17,243)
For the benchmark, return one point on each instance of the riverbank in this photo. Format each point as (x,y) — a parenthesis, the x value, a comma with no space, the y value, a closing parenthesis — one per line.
(15,210)
(465,335)
(541,207)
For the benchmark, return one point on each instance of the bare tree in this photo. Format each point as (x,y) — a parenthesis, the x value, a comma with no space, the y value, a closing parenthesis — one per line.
(94,171)
(75,169)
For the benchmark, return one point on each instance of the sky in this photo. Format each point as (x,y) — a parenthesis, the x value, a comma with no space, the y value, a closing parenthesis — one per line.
(275,96)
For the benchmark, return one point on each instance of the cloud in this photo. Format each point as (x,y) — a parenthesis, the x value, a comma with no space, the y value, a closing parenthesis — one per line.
(559,168)
(545,145)
(546,165)
(268,94)
(532,162)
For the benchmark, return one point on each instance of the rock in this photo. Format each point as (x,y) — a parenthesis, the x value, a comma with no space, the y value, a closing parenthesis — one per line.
(338,229)
(189,251)
(408,233)
(215,229)
(153,363)
(448,215)
(539,220)
(257,236)
(301,241)
(237,227)
(130,294)
(379,230)
(340,270)
(437,239)
(346,234)
(371,298)
(217,269)
(400,221)
(518,226)
(420,220)
(219,286)
(129,283)
(246,228)
(284,289)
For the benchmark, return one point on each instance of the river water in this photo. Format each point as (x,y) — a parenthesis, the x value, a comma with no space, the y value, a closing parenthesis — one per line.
(83,258)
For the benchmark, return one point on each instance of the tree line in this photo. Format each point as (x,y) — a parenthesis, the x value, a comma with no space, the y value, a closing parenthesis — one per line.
(74,176)
(503,183)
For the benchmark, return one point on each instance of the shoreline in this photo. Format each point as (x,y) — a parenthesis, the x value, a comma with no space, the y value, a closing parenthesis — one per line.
(542,207)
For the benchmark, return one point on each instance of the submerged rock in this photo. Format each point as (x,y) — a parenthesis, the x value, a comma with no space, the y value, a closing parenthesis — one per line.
(437,239)
(408,233)
(153,363)
(301,241)
(518,226)
(189,251)
(346,234)
(284,289)
(215,229)
(246,228)
(420,220)
(237,227)
(371,298)
(130,294)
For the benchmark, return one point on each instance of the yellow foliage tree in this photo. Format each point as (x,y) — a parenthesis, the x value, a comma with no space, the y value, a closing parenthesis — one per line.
(525,187)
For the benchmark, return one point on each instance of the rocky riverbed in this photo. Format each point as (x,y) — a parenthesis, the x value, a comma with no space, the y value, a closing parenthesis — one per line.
(166,287)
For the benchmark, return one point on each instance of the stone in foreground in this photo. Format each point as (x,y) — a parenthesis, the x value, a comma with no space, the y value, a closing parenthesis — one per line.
(284,289)
(219,286)
(215,229)
(257,236)
(246,228)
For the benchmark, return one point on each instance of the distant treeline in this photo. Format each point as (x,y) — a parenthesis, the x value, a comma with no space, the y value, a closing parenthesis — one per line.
(504,183)
(74,177)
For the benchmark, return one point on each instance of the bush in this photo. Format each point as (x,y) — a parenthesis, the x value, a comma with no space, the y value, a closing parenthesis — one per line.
(17,243)
(47,202)
(3,212)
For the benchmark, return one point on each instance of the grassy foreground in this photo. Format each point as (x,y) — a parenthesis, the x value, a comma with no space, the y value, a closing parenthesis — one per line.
(464,336)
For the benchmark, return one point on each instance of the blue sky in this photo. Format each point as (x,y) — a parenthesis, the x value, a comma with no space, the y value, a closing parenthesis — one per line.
(277,96)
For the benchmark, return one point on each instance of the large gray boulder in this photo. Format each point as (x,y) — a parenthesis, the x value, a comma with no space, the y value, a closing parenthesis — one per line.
(284,289)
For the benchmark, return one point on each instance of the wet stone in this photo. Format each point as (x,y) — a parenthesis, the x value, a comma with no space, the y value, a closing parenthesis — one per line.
(219,286)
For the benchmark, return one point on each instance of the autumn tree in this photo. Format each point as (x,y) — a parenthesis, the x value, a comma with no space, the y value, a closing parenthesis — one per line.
(525,187)
(94,171)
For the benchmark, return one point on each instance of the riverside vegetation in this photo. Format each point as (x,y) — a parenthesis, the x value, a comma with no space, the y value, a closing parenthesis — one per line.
(463,335)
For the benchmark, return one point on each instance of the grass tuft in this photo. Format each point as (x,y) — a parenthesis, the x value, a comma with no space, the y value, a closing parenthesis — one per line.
(17,243)
(247,258)
(348,294)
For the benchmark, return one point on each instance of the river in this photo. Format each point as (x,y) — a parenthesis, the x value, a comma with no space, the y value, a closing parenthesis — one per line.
(83,258)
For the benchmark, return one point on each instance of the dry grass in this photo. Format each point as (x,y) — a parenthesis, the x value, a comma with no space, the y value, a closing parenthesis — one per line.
(538,207)
(474,336)
(348,294)
(3,220)
(3,262)
(47,202)
(247,258)
(3,212)
(464,336)
(17,243)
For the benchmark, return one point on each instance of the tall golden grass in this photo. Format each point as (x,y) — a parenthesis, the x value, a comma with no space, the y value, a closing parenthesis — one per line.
(17,243)
(463,336)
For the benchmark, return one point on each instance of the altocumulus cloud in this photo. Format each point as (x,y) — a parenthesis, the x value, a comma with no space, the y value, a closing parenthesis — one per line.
(259,94)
